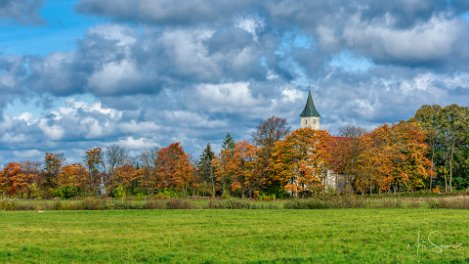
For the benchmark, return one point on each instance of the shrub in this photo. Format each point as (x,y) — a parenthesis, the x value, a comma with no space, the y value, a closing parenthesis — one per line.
(66,192)
(7,205)
(306,204)
(119,192)
(34,191)
(414,204)
(238,204)
(154,204)
(266,197)
(167,194)
(93,203)
(179,204)
(453,203)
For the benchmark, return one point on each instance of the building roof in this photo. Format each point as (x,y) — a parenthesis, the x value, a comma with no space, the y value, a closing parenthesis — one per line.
(310,110)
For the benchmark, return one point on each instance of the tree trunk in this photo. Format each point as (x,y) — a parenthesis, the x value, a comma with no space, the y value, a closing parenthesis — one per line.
(451,167)
(433,163)
(212,178)
(446,178)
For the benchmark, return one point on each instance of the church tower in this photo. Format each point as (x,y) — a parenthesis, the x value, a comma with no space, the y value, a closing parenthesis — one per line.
(310,116)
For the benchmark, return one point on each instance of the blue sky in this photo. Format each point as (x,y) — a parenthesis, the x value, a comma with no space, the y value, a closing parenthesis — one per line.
(145,73)
(59,30)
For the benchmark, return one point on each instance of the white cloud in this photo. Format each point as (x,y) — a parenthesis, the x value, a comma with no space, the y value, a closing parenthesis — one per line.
(434,82)
(192,120)
(226,96)
(12,138)
(251,25)
(327,37)
(426,41)
(136,143)
(27,117)
(291,94)
(112,75)
(30,154)
(122,34)
(188,53)
(53,132)
(135,127)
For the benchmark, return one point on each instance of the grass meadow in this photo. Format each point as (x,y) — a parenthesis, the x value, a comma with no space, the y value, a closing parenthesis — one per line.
(357,235)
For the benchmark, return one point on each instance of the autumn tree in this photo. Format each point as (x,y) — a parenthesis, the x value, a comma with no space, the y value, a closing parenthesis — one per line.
(14,180)
(242,168)
(127,179)
(394,159)
(351,131)
(267,133)
(72,180)
(52,167)
(300,160)
(34,169)
(345,152)
(146,161)
(173,169)
(95,164)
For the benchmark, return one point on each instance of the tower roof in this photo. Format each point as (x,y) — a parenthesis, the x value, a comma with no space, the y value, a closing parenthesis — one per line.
(310,110)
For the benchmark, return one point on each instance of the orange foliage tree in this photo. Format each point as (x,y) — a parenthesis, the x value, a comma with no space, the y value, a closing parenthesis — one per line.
(344,158)
(73,175)
(394,159)
(173,170)
(14,180)
(52,166)
(242,168)
(128,177)
(299,162)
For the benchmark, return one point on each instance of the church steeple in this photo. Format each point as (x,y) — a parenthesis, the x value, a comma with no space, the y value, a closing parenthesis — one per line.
(310,110)
(310,116)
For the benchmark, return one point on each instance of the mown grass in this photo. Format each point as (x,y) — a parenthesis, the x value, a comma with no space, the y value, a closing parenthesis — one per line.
(235,236)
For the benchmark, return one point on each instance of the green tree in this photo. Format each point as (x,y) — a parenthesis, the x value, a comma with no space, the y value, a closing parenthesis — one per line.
(228,142)
(226,154)
(447,135)
(205,168)
(429,117)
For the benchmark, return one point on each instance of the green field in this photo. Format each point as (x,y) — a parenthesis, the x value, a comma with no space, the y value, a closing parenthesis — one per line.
(227,236)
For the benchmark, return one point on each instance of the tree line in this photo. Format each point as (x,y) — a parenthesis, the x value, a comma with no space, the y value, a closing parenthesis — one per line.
(429,152)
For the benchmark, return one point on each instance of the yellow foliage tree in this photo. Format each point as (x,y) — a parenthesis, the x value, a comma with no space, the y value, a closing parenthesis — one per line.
(299,162)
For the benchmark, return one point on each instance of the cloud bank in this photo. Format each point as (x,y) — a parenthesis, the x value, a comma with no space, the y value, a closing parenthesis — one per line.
(159,72)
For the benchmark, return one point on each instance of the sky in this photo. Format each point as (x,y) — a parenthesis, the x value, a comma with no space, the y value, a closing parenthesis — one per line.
(76,74)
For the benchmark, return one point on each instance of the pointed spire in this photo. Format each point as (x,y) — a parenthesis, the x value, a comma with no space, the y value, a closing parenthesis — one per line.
(309,110)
